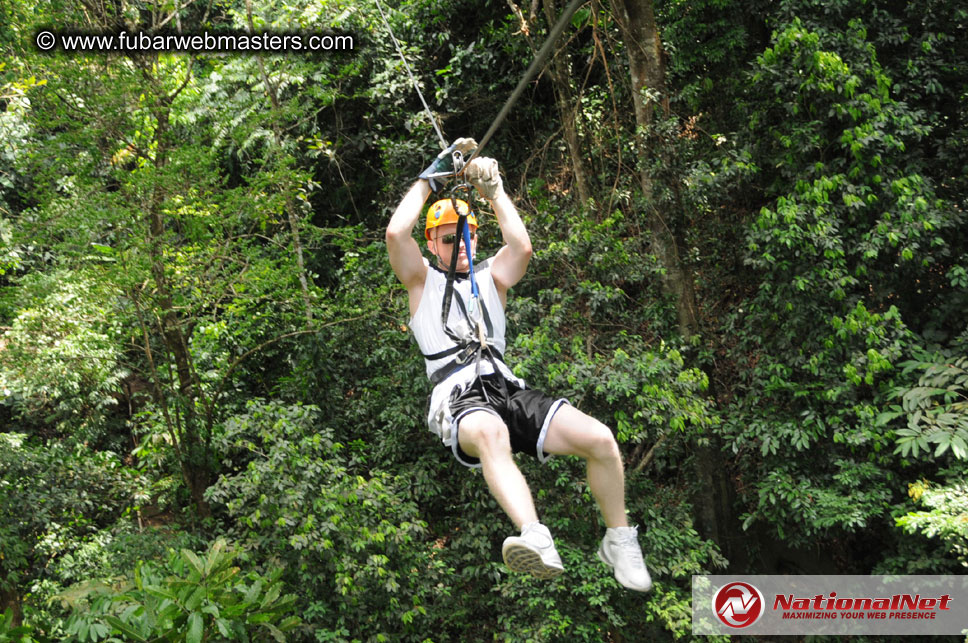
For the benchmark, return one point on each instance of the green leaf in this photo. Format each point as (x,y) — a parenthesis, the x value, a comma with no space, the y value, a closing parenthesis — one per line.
(275,632)
(196,598)
(959,447)
(214,556)
(223,627)
(580,17)
(271,595)
(196,627)
(887,417)
(125,629)
(253,592)
(192,559)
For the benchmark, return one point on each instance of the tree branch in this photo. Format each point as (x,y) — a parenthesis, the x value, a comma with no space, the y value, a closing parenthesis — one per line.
(644,462)
(235,364)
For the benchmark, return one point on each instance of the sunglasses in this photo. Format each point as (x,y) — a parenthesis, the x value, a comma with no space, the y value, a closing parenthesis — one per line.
(448,239)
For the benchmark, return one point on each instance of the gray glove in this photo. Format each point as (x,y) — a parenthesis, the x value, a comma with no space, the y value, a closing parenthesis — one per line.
(484,175)
(442,168)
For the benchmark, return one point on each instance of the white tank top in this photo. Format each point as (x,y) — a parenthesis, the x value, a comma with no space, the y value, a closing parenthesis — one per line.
(426,324)
(431,338)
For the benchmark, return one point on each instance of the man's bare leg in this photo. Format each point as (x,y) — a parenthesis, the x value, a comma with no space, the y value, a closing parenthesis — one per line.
(572,432)
(484,436)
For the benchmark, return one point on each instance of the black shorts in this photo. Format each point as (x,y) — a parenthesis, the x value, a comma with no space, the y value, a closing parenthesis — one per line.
(527,414)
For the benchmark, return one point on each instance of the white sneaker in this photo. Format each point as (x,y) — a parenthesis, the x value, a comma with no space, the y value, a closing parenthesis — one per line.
(620,550)
(533,551)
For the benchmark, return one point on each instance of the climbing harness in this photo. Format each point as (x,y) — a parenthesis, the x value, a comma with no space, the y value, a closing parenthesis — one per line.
(475,313)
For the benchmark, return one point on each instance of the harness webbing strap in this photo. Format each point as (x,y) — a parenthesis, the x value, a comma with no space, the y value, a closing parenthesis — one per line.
(447,352)
(483,308)
(442,354)
(450,368)
(452,271)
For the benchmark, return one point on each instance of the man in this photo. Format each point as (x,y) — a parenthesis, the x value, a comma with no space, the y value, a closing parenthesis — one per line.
(478,408)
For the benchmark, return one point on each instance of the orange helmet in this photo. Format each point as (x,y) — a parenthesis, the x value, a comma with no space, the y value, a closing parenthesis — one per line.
(443,212)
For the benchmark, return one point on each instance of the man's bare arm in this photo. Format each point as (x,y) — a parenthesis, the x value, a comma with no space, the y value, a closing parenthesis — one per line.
(405,257)
(511,261)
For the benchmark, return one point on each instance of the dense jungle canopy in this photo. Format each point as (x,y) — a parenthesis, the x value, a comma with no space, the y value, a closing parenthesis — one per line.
(750,261)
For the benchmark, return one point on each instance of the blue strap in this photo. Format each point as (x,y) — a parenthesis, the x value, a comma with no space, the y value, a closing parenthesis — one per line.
(475,293)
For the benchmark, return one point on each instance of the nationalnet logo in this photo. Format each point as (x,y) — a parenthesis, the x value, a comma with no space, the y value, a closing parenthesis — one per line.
(738,604)
(830,605)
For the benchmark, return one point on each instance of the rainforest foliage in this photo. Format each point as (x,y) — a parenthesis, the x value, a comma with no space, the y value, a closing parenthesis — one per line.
(751,261)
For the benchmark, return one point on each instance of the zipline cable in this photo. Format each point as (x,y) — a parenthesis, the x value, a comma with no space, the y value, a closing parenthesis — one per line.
(433,121)
(539,58)
(546,48)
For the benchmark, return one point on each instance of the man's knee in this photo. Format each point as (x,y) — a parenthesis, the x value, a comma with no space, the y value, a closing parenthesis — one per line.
(600,442)
(482,433)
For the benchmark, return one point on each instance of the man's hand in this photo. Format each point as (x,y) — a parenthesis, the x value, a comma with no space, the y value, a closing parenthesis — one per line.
(440,171)
(483,174)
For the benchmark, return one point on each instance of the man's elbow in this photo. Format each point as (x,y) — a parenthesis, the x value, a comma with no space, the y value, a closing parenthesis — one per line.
(526,250)
(393,235)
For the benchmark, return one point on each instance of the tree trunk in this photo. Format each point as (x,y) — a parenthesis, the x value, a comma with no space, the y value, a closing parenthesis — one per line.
(568,108)
(636,19)
(10,600)
(291,212)
(194,452)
